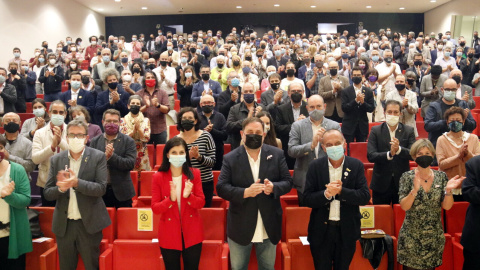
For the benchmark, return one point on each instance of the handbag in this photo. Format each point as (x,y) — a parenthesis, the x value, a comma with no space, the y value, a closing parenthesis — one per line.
(34,223)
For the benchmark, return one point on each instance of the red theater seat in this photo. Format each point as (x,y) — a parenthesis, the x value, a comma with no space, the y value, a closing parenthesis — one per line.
(422,133)
(151,155)
(227,148)
(358,150)
(455,217)
(370,125)
(457,254)
(146,183)
(177,105)
(29,107)
(134,176)
(25,116)
(477,101)
(159,154)
(172,131)
(295,255)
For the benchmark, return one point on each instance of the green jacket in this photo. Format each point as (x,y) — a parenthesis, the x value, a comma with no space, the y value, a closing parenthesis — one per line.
(20,235)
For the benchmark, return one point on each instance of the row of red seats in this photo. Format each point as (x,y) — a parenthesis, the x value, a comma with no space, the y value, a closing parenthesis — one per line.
(124,246)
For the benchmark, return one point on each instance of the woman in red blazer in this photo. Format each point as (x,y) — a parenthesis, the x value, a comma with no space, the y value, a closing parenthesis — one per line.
(177,195)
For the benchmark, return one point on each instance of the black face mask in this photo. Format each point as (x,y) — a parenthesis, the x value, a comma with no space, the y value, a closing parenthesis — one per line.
(205,77)
(457,78)
(220,66)
(253,141)
(333,72)
(424,161)
(417,63)
(134,109)
(11,127)
(357,80)
(236,63)
(136,70)
(296,97)
(248,58)
(151,66)
(400,87)
(462,44)
(275,86)
(85,80)
(207,108)
(388,60)
(13,71)
(187,124)
(290,72)
(410,81)
(163,63)
(113,85)
(193,50)
(470,55)
(263,46)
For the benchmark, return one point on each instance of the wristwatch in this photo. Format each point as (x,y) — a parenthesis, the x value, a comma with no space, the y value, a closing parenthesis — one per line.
(158,106)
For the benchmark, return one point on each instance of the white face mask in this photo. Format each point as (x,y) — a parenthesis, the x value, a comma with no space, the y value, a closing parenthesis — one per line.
(73,49)
(76,145)
(52,61)
(392,120)
(266,129)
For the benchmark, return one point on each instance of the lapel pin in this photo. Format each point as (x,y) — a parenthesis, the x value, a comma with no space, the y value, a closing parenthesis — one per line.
(80,97)
(269,157)
(437,186)
(347,169)
(86,159)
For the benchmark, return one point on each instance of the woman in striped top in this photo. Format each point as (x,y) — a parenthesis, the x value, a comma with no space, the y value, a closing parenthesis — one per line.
(201,148)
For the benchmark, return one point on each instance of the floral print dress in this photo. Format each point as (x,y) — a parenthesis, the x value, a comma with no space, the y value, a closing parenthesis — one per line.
(126,127)
(421,240)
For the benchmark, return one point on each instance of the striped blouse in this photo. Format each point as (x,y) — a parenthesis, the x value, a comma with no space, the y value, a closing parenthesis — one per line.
(206,148)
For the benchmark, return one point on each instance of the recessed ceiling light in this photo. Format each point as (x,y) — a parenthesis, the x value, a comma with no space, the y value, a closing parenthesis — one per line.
(144,8)
(276,5)
(239,6)
(313,6)
(100,9)
(368,6)
(433,1)
(118,0)
(402,8)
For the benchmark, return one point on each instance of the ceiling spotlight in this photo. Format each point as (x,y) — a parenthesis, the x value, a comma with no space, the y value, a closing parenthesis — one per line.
(402,8)
(313,6)
(239,6)
(368,6)
(276,5)
(144,8)
(118,0)
(433,1)
(100,9)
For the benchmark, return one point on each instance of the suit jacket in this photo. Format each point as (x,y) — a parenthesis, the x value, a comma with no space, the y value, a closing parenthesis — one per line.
(174,224)
(378,147)
(218,132)
(9,96)
(237,114)
(92,184)
(283,62)
(302,72)
(103,103)
(236,176)
(333,101)
(468,71)
(470,190)
(225,102)
(299,147)
(435,124)
(198,90)
(84,98)
(419,76)
(120,164)
(284,120)
(52,84)
(267,99)
(354,193)
(354,113)
(426,88)
(434,54)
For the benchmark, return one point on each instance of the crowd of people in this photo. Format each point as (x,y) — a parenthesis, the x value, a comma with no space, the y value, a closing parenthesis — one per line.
(282,101)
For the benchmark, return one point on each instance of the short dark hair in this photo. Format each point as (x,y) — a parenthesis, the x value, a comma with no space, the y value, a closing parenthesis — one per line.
(145,76)
(393,102)
(76,72)
(274,75)
(436,70)
(454,110)
(250,120)
(195,115)
(79,108)
(417,54)
(370,72)
(357,68)
(165,166)
(90,38)
(111,111)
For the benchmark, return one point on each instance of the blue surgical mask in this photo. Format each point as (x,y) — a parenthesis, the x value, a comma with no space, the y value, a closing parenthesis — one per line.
(198,51)
(184,60)
(177,160)
(39,112)
(235,82)
(447,54)
(75,84)
(57,119)
(335,152)
(106,59)
(246,70)
(375,58)
(278,53)
(449,95)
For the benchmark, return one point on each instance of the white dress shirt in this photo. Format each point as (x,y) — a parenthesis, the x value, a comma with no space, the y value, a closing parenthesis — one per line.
(315,129)
(335,174)
(73,211)
(260,233)
(169,81)
(74,94)
(392,135)
(383,69)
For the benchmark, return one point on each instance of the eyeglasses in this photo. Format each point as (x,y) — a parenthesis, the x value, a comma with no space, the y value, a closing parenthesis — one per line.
(112,121)
(78,136)
(450,89)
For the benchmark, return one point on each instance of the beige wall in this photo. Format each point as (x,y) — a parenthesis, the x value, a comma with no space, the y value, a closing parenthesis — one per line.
(440,19)
(26,23)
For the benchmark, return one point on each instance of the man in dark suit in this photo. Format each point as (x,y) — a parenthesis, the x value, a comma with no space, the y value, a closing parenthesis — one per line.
(80,214)
(8,94)
(357,101)
(287,114)
(390,155)
(196,59)
(77,96)
(231,96)
(471,230)
(278,61)
(121,154)
(469,66)
(252,179)
(200,88)
(418,68)
(335,188)
(114,98)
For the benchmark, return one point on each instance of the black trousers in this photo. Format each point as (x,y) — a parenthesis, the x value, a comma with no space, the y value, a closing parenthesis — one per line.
(390,196)
(111,201)
(335,117)
(45,202)
(208,192)
(160,138)
(190,257)
(357,136)
(300,196)
(5,262)
(471,259)
(332,251)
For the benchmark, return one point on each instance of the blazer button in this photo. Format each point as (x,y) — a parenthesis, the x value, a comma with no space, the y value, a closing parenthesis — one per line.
(190,215)
(189,203)
(170,206)
(169,219)
(325,223)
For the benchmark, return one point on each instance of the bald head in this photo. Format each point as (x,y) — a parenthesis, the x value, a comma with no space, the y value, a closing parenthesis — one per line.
(454,72)
(315,102)
(450,84)
(206,99)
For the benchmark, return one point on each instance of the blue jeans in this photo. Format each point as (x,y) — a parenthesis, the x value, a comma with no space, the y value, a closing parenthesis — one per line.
(240,255)
(51,97)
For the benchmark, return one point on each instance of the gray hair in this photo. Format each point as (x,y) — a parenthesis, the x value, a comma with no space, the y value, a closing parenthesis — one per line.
(220,57)
(78,123)
(58,101)
(387,50)
(51,54)
(135,97)
(411,74)
(109,72)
